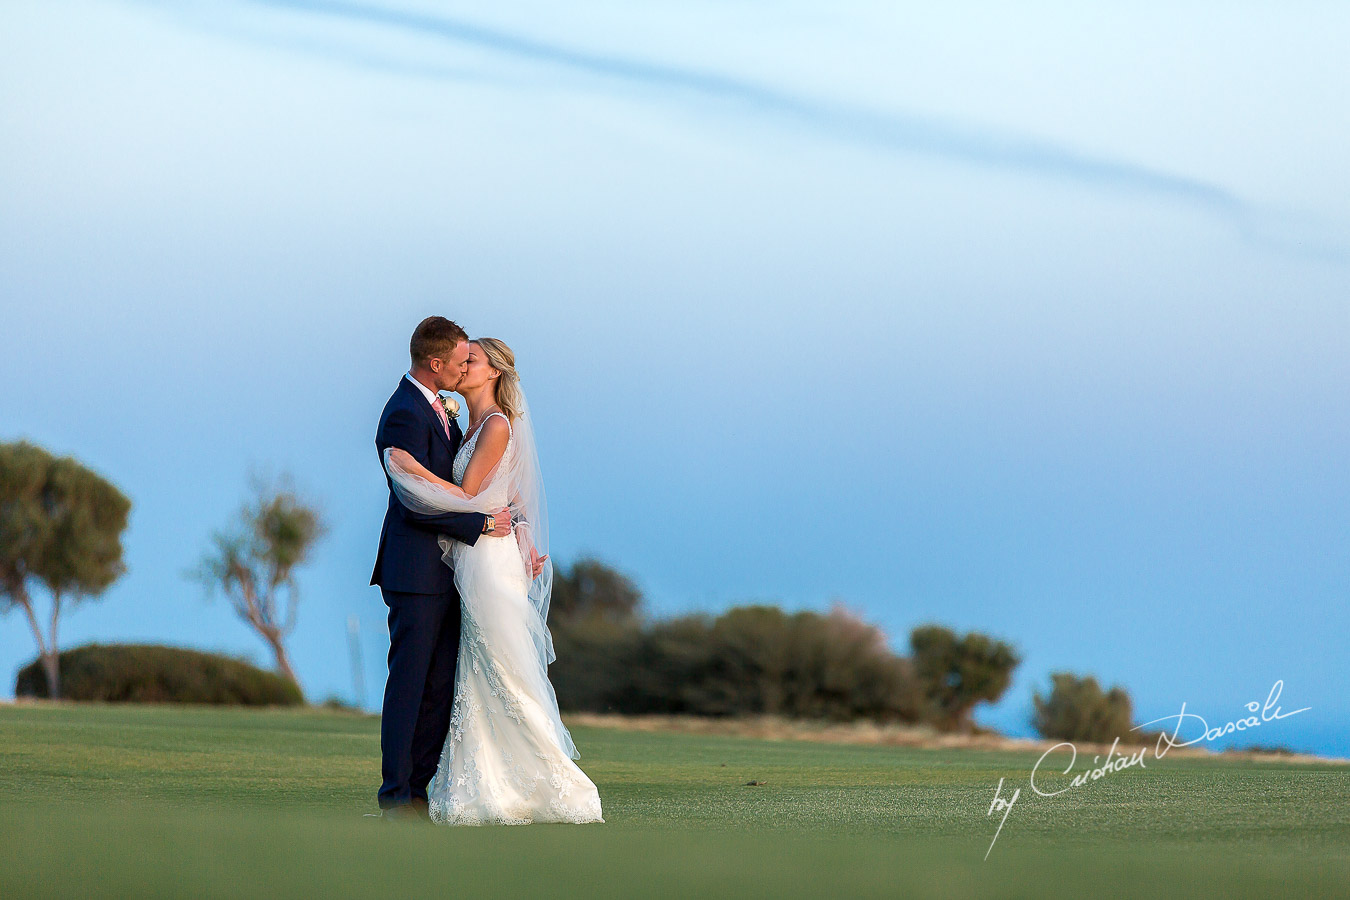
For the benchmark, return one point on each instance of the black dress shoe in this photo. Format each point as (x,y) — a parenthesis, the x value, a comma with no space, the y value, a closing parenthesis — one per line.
(403,812)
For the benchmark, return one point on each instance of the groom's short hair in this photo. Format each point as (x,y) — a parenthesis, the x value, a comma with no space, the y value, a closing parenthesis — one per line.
(434,338)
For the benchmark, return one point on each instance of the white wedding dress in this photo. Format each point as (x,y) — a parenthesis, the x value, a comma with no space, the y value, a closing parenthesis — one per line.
(508,758)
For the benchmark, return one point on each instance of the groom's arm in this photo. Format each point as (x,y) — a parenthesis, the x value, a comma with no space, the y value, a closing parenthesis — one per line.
(403,430)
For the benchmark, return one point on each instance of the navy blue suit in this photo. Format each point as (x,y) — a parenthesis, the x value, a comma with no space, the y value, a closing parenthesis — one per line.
(424,610)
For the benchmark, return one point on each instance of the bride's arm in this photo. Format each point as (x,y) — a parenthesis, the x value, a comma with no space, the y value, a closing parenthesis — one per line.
(486,453)
(405,461)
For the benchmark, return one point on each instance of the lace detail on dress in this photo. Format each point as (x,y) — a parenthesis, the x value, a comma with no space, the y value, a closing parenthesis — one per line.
(481,780)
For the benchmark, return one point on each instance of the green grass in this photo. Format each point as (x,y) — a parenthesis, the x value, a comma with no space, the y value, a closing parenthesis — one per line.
(197,802)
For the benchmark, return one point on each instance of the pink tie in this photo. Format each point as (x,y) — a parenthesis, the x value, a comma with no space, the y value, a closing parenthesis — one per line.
(445,420)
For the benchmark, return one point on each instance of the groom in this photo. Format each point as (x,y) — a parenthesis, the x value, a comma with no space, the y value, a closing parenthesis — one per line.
(417,586)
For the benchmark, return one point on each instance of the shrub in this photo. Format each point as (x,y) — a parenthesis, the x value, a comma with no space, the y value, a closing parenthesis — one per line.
(676,670)
(1077,710)
(595,661)
(750,660)
(811,666)
(148,673)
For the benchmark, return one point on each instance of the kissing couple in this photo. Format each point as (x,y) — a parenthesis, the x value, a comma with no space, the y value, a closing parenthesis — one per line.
(470,732)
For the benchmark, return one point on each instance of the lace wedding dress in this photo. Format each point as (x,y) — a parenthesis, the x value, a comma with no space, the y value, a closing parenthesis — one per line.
(508,757)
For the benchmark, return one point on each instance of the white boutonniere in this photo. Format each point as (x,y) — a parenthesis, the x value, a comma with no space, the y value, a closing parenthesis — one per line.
(451,407)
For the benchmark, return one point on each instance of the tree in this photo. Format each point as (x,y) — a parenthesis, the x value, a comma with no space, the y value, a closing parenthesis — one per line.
(1078,710)
(253,564)
(61,526)
(593,617)
(591,590)
(957,673)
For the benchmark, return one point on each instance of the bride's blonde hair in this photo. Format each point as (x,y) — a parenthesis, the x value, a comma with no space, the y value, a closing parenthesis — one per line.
(507,391)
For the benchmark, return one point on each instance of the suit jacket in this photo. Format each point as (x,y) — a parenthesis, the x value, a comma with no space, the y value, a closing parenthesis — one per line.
(409,558)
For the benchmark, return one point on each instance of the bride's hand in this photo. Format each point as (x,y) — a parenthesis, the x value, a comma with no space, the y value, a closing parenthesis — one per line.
(401,458)
(536,561)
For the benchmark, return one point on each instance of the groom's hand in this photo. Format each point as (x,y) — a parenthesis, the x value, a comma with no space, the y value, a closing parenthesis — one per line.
(501,522)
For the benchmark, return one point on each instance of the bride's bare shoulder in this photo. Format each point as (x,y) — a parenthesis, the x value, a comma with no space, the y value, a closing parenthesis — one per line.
(494,433)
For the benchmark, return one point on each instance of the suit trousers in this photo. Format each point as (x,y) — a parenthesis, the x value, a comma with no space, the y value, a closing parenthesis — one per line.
(418,695)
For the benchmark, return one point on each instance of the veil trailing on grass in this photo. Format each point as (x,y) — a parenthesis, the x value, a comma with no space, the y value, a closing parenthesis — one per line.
(515,482)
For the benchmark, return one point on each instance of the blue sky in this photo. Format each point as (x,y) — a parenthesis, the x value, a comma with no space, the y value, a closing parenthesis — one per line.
(1032,321)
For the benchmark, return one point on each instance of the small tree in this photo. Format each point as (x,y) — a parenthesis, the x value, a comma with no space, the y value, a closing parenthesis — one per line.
(1078,710)
(253,564)
(957,673)
(61,526)
(592,590)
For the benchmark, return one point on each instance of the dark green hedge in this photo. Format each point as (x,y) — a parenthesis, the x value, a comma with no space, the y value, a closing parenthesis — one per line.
(149,673)
(749,660)
(759,659)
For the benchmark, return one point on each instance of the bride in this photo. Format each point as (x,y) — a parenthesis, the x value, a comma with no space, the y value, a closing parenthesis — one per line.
(508,758)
